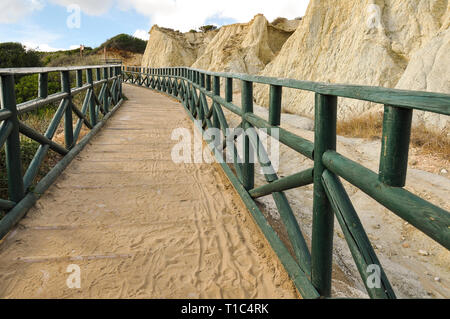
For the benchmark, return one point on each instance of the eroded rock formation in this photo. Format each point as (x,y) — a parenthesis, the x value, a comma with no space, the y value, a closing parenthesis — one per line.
(388,43)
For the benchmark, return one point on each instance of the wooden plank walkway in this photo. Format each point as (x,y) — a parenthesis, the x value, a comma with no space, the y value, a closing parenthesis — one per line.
(138,225)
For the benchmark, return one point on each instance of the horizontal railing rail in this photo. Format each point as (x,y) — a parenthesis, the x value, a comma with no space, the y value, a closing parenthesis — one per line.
(111,61)
(23,191)
(311,270)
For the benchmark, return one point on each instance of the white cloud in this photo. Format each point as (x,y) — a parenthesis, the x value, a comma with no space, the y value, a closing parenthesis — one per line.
(42,47)
(141,34)
(91,7)
(75,46)
(190,14)
(32,36)
(14,10)
(178,14)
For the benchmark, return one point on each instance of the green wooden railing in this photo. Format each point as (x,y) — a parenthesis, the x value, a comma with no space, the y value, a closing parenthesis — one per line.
(311,270)
(23,193)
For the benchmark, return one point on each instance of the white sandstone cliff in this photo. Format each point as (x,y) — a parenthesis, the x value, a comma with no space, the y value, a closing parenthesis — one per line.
(364,42)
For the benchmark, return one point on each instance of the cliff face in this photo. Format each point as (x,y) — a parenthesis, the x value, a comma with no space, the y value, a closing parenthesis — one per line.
(388,43)
(167,47)
(364,42)
(429,70)
(241,48)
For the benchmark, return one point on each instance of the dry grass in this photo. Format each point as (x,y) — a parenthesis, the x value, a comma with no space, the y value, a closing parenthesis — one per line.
(367,126)
(279,20)
(430,141)
(425,140)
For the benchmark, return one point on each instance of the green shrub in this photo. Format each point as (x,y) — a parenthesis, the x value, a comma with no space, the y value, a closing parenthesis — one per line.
(28,149)
(208,28)
(124,42)
(27,86)
(14,55)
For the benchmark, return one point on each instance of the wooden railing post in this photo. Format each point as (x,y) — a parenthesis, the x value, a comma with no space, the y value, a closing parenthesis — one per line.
(275,105)
(12,149)
(248,167)
(395,145)
(229,90)
(216,91)
(43,85)
(158,73)
(202,80)
(323,217)
(208,82)
(120,75)
(68,119)
(105,95)
(92,111)
(79,78)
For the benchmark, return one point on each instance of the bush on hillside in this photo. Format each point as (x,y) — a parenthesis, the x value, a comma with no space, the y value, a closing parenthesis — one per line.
(279,20)
(125,42)
(207,28)
(14,55)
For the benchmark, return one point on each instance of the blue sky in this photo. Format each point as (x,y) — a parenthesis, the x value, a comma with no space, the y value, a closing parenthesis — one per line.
(48,25)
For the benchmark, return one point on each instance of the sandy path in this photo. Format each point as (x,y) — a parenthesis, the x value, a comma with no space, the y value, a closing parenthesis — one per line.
(138,225)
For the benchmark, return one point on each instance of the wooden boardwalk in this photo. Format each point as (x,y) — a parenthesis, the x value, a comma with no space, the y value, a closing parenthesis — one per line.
(138,225)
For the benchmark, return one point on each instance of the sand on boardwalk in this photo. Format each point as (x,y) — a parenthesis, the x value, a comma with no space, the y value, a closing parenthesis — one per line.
(139,226)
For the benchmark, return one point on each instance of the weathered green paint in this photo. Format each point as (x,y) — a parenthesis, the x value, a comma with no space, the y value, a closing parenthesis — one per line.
(295,235)
(202,80)
(84,108)
(323,219)
(105,97)
(425,101)
(12,149)
(295,142)
(92,106)
(430,219)
(43,85)
(216,92)
(68,119)
(229,90)
(79,78)
(248,167)
(33,169)
(356,237)
(5,114)
(7,204)
(294,181)
(46,141)
(395,145)
(38,137)
(32,134)
(275,105)
(208,82)
(5,130)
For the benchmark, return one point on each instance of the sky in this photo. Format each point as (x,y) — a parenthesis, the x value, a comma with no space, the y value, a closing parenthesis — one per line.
(51,25)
